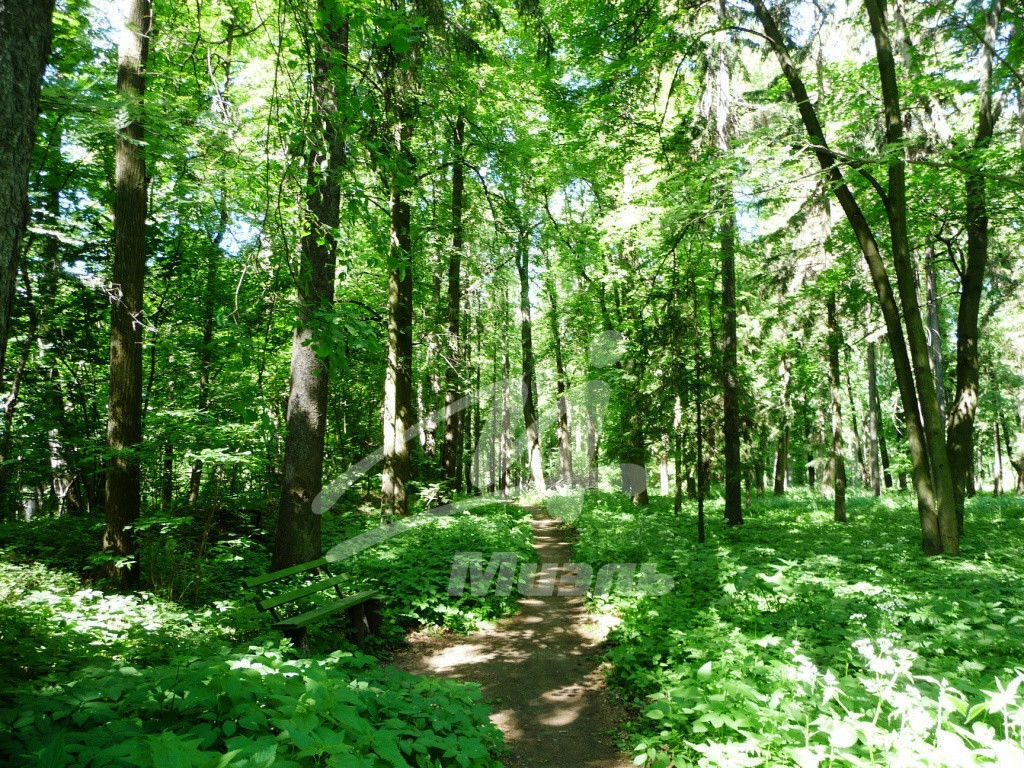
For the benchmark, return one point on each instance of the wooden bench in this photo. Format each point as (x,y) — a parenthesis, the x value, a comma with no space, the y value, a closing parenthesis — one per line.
(362,608)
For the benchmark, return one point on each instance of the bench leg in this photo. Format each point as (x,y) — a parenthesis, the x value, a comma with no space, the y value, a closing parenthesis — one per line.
(300,639)
(357,620)
(374,619)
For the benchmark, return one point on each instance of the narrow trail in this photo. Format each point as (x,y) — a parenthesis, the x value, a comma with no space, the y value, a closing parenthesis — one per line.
(539,670)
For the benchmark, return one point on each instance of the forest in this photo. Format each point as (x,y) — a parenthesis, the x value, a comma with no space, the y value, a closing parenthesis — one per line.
(539,384)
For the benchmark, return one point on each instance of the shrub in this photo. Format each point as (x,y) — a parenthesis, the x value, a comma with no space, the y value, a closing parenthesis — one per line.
(254,709)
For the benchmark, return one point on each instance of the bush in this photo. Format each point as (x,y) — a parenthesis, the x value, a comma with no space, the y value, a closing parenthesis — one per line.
(254,709)
(49,623)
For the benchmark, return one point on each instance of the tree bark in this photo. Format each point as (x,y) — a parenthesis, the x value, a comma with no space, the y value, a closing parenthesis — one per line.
(874,424)
(25,31)
(122,493)
(721,90)
(837,460)
(451,452)
(933,507)
(782,452)
(535,458)
(943,507)
(965,404)
(565,476)
(297,539)
(935,331)
(398,416)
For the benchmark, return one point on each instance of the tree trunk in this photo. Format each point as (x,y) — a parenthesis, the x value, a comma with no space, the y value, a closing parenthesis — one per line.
(122,497)
(965,404)
(874,425)
(836,458)
(297,538)
(398,417)
(936,510)
(565,476)
(451,452)
(720,89)
(782,452)
(25,29)
(941,513)
(535,458)
(935,331)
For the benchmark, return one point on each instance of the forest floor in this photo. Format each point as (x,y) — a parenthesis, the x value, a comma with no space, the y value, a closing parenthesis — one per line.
(540,670)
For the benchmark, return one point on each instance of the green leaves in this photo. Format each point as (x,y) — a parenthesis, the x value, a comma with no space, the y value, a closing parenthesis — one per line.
(803,644)
(256,708)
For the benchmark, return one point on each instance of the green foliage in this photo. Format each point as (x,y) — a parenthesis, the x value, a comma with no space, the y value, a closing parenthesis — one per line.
(48,622)
(414,568)
(253,709)
(797,641)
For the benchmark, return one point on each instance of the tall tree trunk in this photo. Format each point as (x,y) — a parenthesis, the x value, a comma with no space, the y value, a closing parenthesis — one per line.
(565,477)
(297,538)
(25,29)
(855,423)
(997,469)
(698,400)
(874,425)
(836,458)
(398,416)
(721,93)
(936,510)
(535,458)
(943,507)
(782,452)
(935,331)
(451,452)
(122,497)
(965,404)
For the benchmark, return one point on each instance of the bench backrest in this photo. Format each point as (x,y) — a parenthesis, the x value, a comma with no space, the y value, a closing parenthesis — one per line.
(265,584)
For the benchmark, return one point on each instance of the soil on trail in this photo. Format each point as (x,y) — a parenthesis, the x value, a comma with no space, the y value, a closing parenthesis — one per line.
(539,670)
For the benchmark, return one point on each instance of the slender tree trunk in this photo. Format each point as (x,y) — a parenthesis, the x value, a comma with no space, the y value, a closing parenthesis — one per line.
(720,88)
(298,527)
(936,510)
(698,400)
(167,478)
(836,458)
(997,470)
(943,506)
(782,452)
(677,453)
(25,29)
(935,331)
(535,458)
(874,425)
(965,404)
(122,497)
(398,412)
(453,433)
(565,475)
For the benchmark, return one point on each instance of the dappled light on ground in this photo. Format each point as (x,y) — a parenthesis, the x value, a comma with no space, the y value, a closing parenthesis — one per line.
(540,670)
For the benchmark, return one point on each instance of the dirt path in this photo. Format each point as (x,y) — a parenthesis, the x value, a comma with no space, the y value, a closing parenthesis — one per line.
(540,672)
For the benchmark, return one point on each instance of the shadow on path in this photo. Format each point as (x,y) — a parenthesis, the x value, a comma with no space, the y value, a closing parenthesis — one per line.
(539,670)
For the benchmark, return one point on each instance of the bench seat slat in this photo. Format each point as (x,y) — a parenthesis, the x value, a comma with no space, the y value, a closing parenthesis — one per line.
(310,616)
(320,585)
(284,573)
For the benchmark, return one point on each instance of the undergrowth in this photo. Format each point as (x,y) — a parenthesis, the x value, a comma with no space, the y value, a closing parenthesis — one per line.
(97,678)
(797,641)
